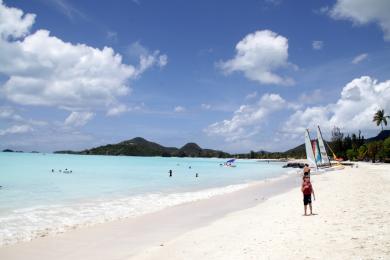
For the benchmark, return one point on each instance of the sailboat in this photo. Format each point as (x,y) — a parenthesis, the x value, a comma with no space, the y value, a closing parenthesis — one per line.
(321,146)
(315,151)
(309,150)
(230,163)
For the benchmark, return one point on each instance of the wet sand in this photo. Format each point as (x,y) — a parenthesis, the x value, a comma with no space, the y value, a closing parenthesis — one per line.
(125,238)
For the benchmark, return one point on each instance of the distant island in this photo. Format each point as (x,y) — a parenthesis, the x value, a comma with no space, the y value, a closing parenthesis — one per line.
(141,147)
(11,151)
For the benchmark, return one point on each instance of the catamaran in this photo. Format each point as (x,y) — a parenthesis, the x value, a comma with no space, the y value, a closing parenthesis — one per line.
(316,154)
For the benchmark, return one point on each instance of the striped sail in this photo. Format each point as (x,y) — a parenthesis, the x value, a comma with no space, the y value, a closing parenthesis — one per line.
(324,155)
(316,151)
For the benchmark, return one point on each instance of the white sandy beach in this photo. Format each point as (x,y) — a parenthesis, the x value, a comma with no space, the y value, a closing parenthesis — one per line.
(352,222)
(353,208)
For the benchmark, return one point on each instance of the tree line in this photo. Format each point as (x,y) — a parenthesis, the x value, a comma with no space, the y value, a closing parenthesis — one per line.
(355,147)
(352,147)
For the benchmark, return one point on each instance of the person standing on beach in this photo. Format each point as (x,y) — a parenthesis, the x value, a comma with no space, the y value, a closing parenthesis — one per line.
(306,170)
(307,190)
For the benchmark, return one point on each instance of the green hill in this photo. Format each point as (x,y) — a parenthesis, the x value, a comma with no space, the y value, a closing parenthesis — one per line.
(194,150)
(380,137)
(296,152)
(141,147)
(135,147)
(191,150)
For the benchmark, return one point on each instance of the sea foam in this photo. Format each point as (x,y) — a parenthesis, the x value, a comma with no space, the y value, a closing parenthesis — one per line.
(38,221)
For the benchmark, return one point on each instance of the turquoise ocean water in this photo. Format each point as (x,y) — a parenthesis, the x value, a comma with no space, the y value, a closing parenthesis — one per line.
(34,201)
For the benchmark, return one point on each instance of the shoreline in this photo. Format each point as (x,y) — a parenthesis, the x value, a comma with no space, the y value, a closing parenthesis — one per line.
(351,221)
(115,209)
(263,221)
(179,219)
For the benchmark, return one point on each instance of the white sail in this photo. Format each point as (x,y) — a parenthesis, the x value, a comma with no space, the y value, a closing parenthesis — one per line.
(309,150)
(324,155)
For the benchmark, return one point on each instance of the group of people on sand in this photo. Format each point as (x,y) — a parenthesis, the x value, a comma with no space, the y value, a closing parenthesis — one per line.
(307,189)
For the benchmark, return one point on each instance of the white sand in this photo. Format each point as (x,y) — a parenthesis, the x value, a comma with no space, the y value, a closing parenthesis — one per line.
(353,222)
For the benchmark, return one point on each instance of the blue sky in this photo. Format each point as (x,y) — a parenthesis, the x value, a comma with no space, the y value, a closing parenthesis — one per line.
(225,74)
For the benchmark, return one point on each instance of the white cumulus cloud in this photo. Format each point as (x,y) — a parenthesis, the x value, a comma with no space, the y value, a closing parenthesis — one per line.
(354,110)
(247,120)
(41,69)
(13,23)
(363,12)
(258,56)
(78,118)
(44,70)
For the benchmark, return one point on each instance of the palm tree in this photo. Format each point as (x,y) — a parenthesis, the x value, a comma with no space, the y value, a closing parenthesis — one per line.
(380,118)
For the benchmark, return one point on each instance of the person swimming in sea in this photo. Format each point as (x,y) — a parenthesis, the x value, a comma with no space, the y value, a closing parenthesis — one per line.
(196,175)
(170,173)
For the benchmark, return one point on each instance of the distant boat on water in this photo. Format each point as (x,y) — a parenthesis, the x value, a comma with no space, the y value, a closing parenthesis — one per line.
(230,163)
